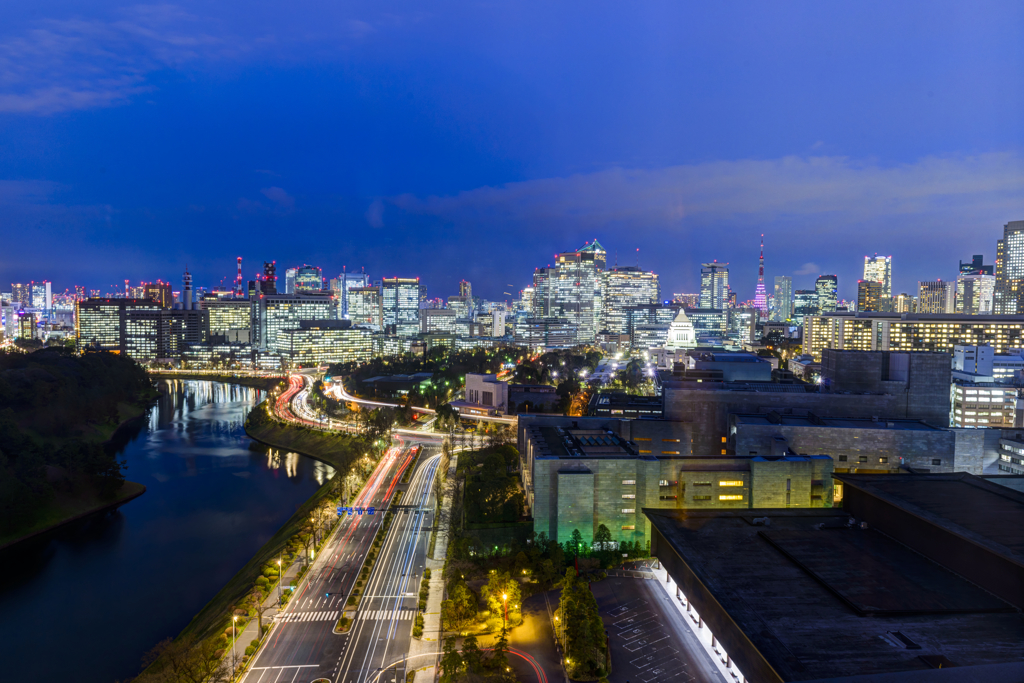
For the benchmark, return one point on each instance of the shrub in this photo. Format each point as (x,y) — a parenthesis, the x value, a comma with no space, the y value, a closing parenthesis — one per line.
(426,574)
(255,642)
(219,654)
(417,631)
(249,650)
(423,605)
(351,601)
(262,582)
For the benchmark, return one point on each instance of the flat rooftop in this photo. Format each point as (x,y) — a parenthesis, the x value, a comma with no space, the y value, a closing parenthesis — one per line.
(962,504)
(816,598)
(839,422)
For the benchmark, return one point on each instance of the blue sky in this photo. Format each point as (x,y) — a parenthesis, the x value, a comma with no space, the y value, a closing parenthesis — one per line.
(475,140)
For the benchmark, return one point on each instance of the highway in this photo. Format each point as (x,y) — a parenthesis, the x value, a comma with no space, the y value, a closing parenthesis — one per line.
(382,632)
(302,646)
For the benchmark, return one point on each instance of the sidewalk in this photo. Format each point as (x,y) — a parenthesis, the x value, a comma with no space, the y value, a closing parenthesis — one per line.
(430,643)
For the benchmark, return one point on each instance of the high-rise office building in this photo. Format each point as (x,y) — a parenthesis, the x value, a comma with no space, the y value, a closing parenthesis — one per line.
(230,319)
(466,289)
(936,297)
(308,280)
(22,294)
(289,280)
(687,300)
(42,296)
(343,284)
(782,303)
(526,298)
(976,265)
(400,297)
(1009,270)
(571,290)
(805,303)
(975,293)
(903,303)
(277,312)
(827,287)
(869,296)
(879,269)
(623,288)
(365,307)
(760,295)
(158,291)
(714,285)
(102,324)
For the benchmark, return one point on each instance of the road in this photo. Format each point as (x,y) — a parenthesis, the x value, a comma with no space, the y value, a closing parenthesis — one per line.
(382,631)
(302,646)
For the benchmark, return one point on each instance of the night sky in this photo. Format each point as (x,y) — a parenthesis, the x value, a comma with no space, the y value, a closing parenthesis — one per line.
(474,140)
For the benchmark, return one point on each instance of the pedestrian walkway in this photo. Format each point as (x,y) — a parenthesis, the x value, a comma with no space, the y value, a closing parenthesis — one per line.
(387,615)
(292,617)
(430,643)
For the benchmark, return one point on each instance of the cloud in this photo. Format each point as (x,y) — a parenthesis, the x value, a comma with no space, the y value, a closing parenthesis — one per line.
(375,214)
(808,269)
(82,64)
(817,194)
(279,197)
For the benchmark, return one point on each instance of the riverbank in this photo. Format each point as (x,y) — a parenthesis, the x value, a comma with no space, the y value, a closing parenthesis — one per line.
(72,508)
(336,449)
(263,383)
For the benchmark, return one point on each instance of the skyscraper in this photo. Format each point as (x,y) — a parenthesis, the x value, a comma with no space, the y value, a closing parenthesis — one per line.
(345,283)
(400,298)
(975,293)
(976,265)
(465,288)
(782,309)
(308,280)
(1009,270)
(936,297)
(22,294)
(805,303)
(827,287)
(571,289)
(869,296)
(760,295)
(879,269)
(622,288)
(268,285)
(714,285)
(42,296)
(365,307)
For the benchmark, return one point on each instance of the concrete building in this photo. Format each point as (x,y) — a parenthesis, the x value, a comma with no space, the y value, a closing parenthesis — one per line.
(319,342)
(484,395)
(437,320)
(916,578)
(1009,270)
(102,324)
(230,320)
(936,297)
(579,473)
(277,312)
(910,332)
(546,332)
(985,406)
(870,296)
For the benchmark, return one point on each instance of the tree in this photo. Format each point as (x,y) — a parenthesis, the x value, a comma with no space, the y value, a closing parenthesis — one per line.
(603,538)
(186,660)
(472,656)
(451,661)
(502,593)
(256,603)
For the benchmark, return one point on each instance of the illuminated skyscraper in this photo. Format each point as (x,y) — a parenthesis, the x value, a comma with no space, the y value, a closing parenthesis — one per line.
(401,303)
(714,285)
(869,296)
(975,293)
(571,290)
(827,287)
(343,285)
(466,289)
(268,285)
(782,309)
(308,280)
(623,288)
(760,295)
(805,303)
(879,269)
(365,307)
(1010,270)
(936,297)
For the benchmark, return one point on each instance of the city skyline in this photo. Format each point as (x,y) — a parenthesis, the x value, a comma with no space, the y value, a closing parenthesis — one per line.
(401,129)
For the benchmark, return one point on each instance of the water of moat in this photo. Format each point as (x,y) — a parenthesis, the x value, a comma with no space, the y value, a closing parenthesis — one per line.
(87,601)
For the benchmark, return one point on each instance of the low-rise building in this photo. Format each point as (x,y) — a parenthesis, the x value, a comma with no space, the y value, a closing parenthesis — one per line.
(319,342)
(484,395)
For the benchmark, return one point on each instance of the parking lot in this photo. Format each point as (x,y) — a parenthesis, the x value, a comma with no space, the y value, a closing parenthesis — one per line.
(649,641)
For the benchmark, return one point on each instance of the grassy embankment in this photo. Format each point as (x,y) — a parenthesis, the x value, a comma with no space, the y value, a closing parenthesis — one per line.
(264,383)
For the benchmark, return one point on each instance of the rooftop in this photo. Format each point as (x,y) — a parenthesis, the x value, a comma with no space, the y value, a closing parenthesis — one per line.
(811,597)
(838,422)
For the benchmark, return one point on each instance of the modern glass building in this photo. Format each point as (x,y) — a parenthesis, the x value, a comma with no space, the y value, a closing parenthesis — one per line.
(400,298)
(623,288)
(102,324)
(317,342)
(714,285)
(278,312)
(782,304)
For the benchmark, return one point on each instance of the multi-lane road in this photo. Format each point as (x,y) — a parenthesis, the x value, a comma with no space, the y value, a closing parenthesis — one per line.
(302,646)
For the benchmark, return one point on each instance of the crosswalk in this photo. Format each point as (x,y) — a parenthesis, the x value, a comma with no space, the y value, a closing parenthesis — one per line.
(294,617)
(387,614)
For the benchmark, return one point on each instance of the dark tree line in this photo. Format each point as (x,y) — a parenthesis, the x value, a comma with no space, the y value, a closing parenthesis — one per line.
(54,407)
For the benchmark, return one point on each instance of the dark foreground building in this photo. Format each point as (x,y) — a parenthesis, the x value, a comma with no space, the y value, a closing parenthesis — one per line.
(916,575)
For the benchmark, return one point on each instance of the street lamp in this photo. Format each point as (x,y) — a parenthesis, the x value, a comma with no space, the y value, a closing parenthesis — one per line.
(280,578)
(504,600)
(234,621)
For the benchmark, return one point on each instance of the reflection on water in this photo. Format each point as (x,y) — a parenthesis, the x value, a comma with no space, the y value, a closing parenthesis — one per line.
(138,575)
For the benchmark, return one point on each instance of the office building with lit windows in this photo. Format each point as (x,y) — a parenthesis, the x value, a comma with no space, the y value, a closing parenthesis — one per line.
(911,332)
(102,324)
(936,297)
(365,307)
(782,303)
(983,406)
(621,289)
(308,280)
(879,269)
(230,319)
(870,296)
(1009,270)
(319,342)
(805,303)
(570,290)
(827,288)
(714,285)
(277,312)
(400,300)
(438,320)
(975,293)
(342,285)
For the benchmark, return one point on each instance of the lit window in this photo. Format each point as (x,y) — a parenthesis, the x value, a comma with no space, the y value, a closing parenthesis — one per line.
(723,439)
(730,498)
(629,495)
(730,483)
(628,527)
(629,482)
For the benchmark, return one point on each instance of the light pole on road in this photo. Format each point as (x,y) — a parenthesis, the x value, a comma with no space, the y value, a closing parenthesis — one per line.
(234,621)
